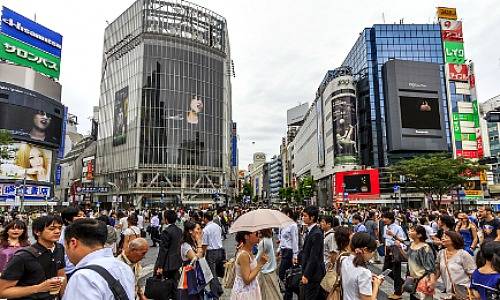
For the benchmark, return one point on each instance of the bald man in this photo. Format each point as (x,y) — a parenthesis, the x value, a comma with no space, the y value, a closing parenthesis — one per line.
(132,255)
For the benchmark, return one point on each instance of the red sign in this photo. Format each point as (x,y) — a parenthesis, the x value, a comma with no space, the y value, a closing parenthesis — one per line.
(458,72)
(359,184)
(468,153)
(480,150)
(90,171)
(472,81)
(451,30)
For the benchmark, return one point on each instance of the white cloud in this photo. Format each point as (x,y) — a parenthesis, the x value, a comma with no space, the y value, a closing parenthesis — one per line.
(281,48)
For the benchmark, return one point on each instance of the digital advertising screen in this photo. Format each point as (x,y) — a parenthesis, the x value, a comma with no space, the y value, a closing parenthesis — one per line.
(28,161)
(420,113)
(357,183)
(31,124)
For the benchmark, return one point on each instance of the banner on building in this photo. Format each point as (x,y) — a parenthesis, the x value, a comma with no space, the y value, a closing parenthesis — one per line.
(458,72)
(451,30)
(120,117)
(449,13)
(454,52)
(26,161)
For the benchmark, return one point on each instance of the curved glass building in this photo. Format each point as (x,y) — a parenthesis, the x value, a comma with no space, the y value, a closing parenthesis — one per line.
(165,105)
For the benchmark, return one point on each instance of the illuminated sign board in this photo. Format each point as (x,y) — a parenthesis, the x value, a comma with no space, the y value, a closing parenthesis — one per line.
(451,30)
(458,72)
(30,32)
(31,192)
(449,13)
(25,55)
(454,52)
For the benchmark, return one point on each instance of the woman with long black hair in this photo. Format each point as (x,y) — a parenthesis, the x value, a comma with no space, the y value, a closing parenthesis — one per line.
(357,281)
(13,237)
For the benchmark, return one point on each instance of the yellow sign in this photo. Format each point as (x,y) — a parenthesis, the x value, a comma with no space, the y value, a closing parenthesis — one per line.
(473,192)
(449,13)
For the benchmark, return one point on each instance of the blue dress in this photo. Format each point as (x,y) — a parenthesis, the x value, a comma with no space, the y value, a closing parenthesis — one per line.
(467,236)
(485,284)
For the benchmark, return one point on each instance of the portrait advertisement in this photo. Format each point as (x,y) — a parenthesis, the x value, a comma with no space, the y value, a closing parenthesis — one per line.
(344,128)
(28,161)
(120,117)
(31,124)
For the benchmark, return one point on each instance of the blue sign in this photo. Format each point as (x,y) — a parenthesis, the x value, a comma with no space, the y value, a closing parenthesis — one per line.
(60,152)
(30,32)
(396,188)
(31,192)
(58,175)
(234,151)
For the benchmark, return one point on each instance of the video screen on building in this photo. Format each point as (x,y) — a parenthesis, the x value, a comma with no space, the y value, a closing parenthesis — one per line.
(420,112)
(357,183)
(26,160)
(31,124)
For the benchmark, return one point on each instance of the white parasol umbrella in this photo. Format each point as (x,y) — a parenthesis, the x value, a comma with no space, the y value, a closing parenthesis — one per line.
(259,219)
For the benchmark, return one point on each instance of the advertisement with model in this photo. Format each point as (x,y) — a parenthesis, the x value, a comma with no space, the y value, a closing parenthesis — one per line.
(26,161)
(120,117)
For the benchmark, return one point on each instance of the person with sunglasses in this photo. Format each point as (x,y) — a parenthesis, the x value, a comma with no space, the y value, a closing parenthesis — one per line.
(468,231)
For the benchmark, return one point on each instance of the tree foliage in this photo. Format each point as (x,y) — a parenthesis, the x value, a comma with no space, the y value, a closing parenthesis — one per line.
(436,175)
(286,193)
(5,139)
(247,189)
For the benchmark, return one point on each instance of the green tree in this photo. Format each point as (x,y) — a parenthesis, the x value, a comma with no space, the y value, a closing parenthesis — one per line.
(286,193)
(435,175)
(305,189)
(247,189)
(5,139)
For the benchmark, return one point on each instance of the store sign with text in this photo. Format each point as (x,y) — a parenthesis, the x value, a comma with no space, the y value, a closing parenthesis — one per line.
(449,13)
(31,192)
(458,72)
(451,30)
(454,52)
(25,55)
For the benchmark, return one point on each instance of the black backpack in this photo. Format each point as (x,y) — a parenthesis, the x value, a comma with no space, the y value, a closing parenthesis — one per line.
(114,285)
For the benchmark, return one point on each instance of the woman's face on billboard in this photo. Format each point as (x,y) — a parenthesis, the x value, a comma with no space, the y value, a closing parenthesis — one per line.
(41,120)
(36,158)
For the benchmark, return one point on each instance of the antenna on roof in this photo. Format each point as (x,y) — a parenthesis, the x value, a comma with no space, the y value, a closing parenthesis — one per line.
(383,17)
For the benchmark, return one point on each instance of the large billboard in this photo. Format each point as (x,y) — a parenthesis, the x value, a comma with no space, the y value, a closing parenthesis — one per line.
(320,132)
(414,111)
(357,184)
(420,112)
(30,32)
(31,124)
(25,55)
(26,161)
(120,117)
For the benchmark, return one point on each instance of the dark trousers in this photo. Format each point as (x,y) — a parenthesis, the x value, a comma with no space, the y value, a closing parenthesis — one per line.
(286,264)
(312,290)
(395,274)
(215,257)
(155,235)
(174,276)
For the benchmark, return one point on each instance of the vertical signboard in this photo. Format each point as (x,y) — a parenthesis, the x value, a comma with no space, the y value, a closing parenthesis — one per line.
(454,52)
(120,117)
(320,131)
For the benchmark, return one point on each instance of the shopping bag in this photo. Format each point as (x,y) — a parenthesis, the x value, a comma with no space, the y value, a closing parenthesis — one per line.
(207,273)
(192,283)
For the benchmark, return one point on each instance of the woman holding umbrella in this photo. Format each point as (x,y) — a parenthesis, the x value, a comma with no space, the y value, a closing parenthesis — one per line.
(247,268)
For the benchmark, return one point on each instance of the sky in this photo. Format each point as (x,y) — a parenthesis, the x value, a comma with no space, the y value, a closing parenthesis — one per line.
(281,50)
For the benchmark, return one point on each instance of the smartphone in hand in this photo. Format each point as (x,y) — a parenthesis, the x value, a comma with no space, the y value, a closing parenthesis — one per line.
(384,274)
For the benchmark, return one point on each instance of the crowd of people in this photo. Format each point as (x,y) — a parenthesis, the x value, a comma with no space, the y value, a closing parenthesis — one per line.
(321,254)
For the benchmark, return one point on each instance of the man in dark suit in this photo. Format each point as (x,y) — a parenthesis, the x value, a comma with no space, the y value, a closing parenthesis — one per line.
(313,268)
(169,255)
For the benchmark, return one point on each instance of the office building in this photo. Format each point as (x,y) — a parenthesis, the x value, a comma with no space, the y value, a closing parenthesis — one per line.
(275,177)
(165,122)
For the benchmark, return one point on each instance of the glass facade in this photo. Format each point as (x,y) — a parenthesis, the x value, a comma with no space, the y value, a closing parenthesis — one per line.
(374,47)
(165,107)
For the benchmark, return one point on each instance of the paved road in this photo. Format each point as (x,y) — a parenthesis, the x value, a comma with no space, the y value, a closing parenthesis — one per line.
(229,245)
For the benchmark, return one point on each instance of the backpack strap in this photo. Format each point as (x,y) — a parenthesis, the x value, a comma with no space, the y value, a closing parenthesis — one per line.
(30,250)
(114,285)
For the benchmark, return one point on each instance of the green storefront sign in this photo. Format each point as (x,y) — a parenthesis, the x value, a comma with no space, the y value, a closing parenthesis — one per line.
(24,55)
(454,52)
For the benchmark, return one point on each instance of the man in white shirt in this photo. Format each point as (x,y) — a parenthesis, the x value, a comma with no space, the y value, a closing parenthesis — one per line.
(155,228)
(84,243)
(215,253)
(393,233)
(288,248)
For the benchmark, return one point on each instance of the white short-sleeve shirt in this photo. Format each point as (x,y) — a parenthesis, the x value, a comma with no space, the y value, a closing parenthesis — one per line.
(355,280)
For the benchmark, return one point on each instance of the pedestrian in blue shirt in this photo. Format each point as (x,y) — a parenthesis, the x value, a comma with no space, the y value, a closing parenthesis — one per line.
(357,220)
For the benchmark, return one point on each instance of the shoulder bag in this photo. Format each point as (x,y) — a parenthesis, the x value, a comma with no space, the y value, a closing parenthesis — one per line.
(331,275)
(336,292)
(229,272)
(456,294)
(114,285)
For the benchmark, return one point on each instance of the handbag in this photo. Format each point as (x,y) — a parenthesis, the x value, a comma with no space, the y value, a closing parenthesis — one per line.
(410,285)
(159,288)
(397,254)
(456,295)
(293,277)
(229,273)
(331,275)
(205,268)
